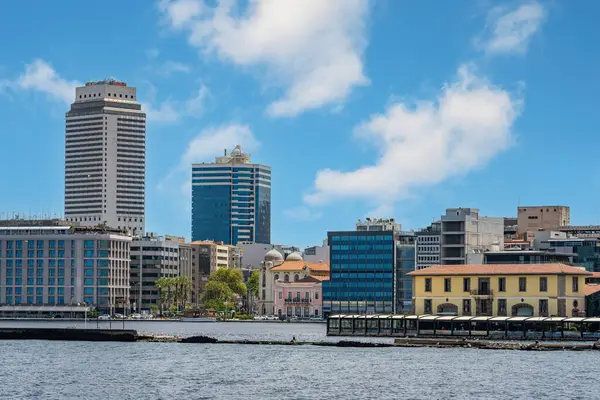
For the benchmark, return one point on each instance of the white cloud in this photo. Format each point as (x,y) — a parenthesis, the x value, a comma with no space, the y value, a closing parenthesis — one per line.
(510,31)
(166,111)
(302,213)
(425,143)
(40,76)
(311,48)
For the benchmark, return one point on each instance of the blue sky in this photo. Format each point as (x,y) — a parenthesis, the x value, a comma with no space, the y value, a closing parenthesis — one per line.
(362,108)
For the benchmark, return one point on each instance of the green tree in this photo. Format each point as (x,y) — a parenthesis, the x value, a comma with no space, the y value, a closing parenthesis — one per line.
(232,278)
(253,284)
(222,287)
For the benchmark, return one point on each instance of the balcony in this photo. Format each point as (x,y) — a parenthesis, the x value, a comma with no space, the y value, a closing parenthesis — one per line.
(481,294)
(298,301)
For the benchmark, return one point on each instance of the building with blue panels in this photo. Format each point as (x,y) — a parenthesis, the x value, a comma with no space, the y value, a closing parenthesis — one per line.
(363,265)
(231,200)
(44,269)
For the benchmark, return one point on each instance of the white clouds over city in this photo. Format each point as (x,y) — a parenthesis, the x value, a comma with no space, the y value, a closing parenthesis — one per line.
(312,49)
(426,142)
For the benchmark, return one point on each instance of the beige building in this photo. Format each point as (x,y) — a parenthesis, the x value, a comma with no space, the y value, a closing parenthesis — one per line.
(541,218)
(207,256)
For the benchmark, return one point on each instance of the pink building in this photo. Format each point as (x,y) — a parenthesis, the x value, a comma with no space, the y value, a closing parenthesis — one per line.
(291,286)
(302,298)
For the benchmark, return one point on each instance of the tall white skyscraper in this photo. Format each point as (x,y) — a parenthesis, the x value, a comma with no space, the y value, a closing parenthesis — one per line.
(105,157)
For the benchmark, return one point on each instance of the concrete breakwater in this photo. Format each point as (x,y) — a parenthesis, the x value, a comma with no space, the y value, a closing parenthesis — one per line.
(121,335)
(93,335)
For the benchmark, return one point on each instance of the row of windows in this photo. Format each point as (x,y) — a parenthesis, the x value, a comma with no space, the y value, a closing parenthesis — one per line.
(368,246)
(428,239)
(366,256)
(335,240)
(85,96)
(361,275)
(18,244)
(484,289)
(365,286)
(38,281)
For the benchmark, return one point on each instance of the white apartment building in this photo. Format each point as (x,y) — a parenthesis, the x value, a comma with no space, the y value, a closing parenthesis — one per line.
(428,246)
(105,157)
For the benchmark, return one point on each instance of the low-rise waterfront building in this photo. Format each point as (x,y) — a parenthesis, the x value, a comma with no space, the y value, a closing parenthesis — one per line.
(291,286)
(45,267)
(500,290)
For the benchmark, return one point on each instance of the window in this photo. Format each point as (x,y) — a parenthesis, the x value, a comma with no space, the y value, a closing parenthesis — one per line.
(543,284)
(466,284)
(280,295)
(522,284)
(575,284)
(467,307)
(502,284)
(543,308)
(447,285)
(502,307)
(428,285)
(427,306)
(316,295)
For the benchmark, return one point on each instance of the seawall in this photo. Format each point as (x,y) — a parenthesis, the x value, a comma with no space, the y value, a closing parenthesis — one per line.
(92,335)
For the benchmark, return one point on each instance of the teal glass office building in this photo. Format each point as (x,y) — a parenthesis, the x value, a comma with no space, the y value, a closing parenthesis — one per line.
(362,273)
(231,200)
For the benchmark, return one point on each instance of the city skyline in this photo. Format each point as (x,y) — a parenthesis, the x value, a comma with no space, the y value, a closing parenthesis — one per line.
(502,94)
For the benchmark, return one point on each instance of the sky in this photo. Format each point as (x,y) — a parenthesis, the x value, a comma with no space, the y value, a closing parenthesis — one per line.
(381,108)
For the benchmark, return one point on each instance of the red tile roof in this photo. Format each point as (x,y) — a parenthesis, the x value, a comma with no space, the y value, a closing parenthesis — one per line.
(592,288)
(299,266)
(501,269)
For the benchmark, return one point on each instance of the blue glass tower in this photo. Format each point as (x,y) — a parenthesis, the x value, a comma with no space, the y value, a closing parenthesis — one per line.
(362,273)
(231,200)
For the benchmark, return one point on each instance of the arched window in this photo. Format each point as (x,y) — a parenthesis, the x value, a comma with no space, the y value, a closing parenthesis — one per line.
(296,278)
(276,277)
(286,278)
(264,294)
(264,279)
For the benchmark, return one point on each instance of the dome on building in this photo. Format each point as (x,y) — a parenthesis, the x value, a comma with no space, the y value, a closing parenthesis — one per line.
(273,256)
(295,256)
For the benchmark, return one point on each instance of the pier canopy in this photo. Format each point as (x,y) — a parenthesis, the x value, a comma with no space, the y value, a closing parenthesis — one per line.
(492,327)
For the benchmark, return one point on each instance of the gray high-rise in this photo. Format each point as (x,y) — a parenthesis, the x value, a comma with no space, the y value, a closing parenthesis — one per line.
(105,157)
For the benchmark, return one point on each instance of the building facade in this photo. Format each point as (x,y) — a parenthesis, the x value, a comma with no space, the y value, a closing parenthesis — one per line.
(465,235)
(207,257)
(542,290)
(362,273)
(428,245)
(44,268)
(231,200)
(291,286)
(105,157)
(527,257)
(405,264)
(152,257)
(317,254)
(586,251)
(531,219)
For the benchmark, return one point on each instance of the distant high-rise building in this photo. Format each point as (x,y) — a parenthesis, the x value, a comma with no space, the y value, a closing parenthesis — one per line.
(231,200)
(105,157)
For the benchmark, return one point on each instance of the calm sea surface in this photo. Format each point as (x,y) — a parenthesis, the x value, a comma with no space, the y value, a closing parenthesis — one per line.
(145,371)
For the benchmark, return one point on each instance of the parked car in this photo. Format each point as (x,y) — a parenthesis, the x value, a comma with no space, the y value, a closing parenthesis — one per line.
(104,317)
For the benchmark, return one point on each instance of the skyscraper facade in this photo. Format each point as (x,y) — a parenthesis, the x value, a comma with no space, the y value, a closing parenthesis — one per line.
(231,200)
(105,157)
